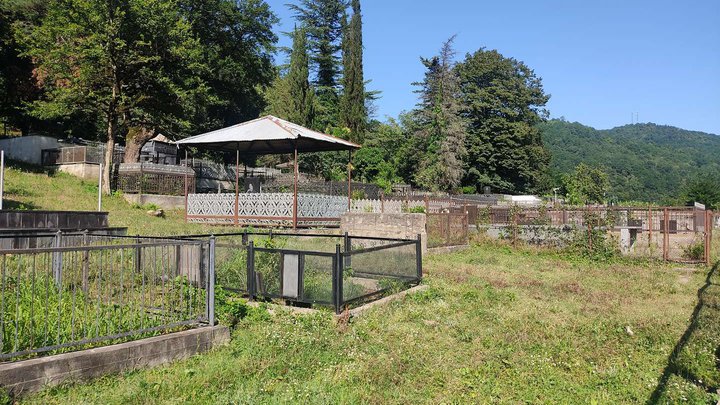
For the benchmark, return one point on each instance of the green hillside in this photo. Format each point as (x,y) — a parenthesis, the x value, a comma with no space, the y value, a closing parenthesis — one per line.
(646,162)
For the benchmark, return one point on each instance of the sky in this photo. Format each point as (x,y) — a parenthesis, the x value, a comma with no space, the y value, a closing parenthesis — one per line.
(603,62)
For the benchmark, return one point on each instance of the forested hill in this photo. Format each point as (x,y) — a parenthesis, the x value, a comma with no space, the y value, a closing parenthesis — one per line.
(645,162)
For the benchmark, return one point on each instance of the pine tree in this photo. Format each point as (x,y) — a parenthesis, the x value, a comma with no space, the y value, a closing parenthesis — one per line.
(301,93)
(439,124)
(352,109)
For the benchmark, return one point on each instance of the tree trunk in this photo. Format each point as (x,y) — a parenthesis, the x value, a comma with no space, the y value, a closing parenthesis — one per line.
(137,137)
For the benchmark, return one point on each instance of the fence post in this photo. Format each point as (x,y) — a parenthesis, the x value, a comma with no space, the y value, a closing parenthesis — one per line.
(448,236)
(427,204)
(86,263)
(251,270)
(337,280)
(57,260)
(650,224)
(245,237)
(666,235)
(708,237)
(138,254)
(382,203)
(418,257)
(348,249)
(211,283)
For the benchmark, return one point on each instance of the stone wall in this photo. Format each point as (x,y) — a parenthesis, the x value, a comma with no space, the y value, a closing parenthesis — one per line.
(403,226)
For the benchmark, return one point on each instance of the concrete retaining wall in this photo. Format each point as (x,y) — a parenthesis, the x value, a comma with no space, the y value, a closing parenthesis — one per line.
(27,376)
(86,171)
(166,202)
(405,226)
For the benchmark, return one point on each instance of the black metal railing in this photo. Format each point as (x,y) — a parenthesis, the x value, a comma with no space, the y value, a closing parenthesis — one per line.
(89,290)
(316,269)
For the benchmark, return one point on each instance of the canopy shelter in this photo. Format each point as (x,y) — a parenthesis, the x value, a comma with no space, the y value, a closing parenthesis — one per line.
(269,135)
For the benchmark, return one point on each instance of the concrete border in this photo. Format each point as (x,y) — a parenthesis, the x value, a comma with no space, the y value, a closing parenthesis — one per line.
(390,298)
(26,376)
(353,312)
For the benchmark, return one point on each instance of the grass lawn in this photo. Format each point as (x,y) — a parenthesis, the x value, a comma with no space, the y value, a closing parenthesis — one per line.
(495,325)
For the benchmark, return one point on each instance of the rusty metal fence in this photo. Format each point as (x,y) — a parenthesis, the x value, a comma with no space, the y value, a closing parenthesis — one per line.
(447,229)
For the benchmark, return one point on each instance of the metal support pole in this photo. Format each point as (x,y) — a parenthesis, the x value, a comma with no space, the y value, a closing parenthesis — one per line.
(237,183)
(349,176)
(211,283)
(57,260)
(2,177)
(100,183)
(418,257)
(186,184)
(251,270)
(295,191)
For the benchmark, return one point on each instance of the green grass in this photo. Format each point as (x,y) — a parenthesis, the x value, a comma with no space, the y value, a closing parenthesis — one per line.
(28,188)
(495,325)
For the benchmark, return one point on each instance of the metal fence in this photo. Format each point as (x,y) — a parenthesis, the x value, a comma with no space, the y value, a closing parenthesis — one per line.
(316,269)
(447,229)
(77,154)
(91,290)
(150,178)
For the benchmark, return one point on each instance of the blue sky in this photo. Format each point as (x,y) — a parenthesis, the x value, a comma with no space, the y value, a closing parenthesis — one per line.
(600,61)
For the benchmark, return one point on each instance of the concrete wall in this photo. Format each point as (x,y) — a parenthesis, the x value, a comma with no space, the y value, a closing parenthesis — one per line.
(166,202)
(405,226)
(28,376)
(86,171)
(27,148)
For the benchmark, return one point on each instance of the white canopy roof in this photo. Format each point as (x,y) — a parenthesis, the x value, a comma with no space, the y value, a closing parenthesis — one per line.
(268,135)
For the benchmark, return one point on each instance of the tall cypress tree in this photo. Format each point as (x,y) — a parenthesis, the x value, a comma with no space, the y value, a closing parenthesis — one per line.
(302,95)
(352,109)
(323,20)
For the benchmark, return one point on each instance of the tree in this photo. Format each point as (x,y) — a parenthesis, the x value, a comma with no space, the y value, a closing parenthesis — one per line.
(439,124)
(352,108)
(17,83)
(586,185)
(705,190)
(133,63)
(324,22)
(302,95)
(504,102)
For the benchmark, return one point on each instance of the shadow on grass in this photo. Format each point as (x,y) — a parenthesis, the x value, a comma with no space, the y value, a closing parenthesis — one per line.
(30,168)
(671,367)
(13,205)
